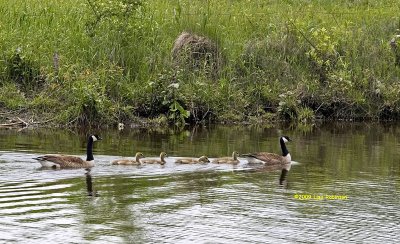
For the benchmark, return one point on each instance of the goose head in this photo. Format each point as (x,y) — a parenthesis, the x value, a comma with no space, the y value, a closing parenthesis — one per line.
(95,138)
(285,139)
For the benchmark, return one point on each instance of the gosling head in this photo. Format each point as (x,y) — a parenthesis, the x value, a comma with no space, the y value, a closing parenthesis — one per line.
(204,159)
(139,155)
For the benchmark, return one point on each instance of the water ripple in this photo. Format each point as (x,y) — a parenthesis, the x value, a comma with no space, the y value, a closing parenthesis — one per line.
(191,204)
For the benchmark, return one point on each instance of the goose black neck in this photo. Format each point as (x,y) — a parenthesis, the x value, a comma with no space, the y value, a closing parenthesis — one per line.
(283,147)
(89,150)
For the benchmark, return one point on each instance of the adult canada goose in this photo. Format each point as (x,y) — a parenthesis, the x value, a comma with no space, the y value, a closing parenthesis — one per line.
(156,161)
(202,159)
(65,161)
(271,158)
(125,161)
(227,160)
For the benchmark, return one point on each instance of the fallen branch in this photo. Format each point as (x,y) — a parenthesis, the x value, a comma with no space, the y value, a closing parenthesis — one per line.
(22,121)
(14,124)
(18,122)
(42,122)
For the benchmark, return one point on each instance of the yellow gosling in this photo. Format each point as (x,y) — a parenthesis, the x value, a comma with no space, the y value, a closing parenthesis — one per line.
(156,161)
(228,160)
(202,159)
(125,161)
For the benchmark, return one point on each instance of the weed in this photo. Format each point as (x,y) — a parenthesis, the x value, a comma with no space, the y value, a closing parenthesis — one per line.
(100,62)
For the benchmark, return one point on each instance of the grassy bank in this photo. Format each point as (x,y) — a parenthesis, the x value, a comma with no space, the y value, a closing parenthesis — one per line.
(102,62)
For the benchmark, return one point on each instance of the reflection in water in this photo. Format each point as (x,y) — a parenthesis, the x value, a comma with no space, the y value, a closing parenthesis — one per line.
(270,169)
(283,176)
(89,184)
(284,173)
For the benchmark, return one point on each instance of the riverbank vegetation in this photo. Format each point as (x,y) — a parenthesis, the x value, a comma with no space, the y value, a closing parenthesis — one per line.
(98,62)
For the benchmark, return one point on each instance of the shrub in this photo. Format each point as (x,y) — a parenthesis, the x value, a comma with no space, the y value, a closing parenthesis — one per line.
(23,72)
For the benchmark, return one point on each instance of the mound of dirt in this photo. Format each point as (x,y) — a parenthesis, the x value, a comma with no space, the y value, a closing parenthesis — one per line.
(197,53)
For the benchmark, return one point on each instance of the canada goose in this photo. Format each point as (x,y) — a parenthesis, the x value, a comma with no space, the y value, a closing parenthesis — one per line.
(125,161)
(271,158)
(202,159)
(66,161)
(227,160)
(156,161)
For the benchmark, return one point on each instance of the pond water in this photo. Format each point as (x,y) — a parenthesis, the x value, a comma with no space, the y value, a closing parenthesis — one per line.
(342,187)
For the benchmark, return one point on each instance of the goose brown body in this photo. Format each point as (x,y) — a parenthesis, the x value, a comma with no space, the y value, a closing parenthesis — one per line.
(202,159)
(156,161)
(66,161)
(270,158)
(228,160)
(125,161)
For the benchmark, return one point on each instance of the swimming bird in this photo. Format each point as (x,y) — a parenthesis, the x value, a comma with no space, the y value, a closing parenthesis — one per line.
(271,158)
(58,161)
(156,161)
(125,161)
(228,160)
(202,159)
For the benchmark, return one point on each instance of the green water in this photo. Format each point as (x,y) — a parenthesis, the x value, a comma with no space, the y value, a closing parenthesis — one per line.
(357,163)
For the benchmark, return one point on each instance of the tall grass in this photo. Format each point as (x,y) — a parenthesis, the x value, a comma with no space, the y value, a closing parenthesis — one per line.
(293,60)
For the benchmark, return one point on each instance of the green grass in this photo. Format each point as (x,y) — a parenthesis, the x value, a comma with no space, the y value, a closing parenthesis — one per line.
(292,60)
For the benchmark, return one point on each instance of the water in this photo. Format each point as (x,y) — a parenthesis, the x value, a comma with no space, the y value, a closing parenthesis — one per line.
(204,203)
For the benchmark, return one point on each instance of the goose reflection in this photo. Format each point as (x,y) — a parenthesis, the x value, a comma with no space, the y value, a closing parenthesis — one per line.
(284,171)
(89,184)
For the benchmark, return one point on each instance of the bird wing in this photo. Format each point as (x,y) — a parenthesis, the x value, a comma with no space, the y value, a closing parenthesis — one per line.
(63,160)
(124,161)
(270,158)
(225,160)
(150,161)
(222,160)
(185,160)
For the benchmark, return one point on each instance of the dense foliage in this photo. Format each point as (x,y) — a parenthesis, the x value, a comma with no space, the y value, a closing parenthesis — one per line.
(109,61)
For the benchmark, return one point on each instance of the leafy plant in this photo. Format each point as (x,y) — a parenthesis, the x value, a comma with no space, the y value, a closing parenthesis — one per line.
(177,113)
(117,12)
(23,71)
(11,97)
